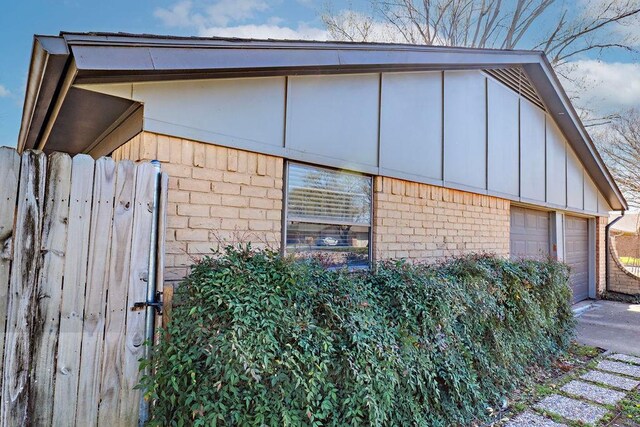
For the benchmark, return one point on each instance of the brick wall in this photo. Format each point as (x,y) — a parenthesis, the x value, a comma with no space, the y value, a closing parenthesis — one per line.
(216,195)
(427,223)
(222,195)
(620,279)
(628,245)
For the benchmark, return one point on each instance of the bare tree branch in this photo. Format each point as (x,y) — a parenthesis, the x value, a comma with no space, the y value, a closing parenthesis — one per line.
(494,23)
(619,143)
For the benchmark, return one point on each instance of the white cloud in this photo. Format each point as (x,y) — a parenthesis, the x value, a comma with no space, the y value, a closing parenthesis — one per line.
(4,92)
(228,18)
(187,14)
(223,12)
(267,31)
(603,87)
(179,15)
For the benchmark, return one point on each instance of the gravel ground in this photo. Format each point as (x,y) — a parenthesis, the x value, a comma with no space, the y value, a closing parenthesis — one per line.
(579,399)
(620,368)
(625,358)
(531,419)
(572,409)
(593,392)
(611,380)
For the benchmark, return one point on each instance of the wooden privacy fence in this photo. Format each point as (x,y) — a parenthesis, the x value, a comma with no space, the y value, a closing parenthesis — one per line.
(75,250)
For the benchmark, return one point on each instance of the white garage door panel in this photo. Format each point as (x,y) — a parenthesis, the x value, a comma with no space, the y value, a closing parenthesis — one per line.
(577,255)
(529,233)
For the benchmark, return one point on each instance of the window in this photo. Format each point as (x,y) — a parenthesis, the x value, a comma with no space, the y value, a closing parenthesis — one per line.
(328,216)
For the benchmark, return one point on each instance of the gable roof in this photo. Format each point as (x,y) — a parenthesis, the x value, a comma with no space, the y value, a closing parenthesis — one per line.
(60,62)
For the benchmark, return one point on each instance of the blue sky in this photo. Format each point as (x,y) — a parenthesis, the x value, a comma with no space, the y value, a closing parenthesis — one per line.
(615,82)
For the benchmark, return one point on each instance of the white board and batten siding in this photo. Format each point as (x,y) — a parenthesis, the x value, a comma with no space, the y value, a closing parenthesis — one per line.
(327,126)
(532,153)
(556,155)
(459,129)
(503,160)
(77,242)
(411,114)
(465,130)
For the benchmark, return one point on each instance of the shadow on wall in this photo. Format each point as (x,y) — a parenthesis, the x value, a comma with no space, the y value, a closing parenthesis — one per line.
(622,278)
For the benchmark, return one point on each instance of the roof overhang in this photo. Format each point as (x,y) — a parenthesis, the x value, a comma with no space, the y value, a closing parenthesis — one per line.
(49,58)
(59,63)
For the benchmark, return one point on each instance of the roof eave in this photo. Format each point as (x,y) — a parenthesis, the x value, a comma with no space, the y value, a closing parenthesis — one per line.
(49,58)
(561,108)
(102,58)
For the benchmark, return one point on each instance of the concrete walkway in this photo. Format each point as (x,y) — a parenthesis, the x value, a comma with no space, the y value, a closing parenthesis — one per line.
(586,399)
(610,325)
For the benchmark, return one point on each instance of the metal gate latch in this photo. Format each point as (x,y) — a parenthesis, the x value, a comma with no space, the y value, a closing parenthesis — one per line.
(157,304)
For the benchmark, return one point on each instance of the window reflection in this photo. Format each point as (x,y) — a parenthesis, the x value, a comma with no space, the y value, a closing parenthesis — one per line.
(328,215)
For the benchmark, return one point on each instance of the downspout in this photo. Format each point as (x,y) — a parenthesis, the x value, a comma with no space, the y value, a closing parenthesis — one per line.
(151,305)
(606,249)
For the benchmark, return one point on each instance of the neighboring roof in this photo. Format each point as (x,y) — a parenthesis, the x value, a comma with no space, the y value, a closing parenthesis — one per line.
(60,62)
(628,224)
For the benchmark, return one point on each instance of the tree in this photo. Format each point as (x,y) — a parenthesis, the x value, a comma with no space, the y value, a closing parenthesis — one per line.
(619,143)
(548,25)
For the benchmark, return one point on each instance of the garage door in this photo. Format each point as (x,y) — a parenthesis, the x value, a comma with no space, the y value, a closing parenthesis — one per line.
(529,233)
(576,235)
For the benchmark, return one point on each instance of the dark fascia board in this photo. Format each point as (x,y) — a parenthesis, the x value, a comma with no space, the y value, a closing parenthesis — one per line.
(114,39)
(115,57)
(49,57)
(96,55)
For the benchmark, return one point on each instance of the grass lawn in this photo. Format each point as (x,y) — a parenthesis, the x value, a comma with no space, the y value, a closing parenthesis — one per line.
(578,361)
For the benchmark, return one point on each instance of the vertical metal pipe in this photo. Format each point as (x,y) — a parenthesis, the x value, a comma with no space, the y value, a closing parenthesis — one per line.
(150,311)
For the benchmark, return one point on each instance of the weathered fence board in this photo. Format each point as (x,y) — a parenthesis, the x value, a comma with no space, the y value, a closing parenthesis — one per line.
(97,286)
(53,248)
(9,175)
(73,292)
(22,290)
(138,274)
(114,339)
(75,245)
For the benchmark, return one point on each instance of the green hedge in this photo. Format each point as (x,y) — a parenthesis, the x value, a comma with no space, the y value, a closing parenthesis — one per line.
(256,339)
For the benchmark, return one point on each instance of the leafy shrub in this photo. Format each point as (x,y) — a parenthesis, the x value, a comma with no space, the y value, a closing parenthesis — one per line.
(256,339)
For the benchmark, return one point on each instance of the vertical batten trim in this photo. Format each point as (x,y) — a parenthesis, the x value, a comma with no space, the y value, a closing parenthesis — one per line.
(519,146)
(566,174)
(486,133)
(582,183)
(379,120)
(546,161)
(286,110)
(443,145)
